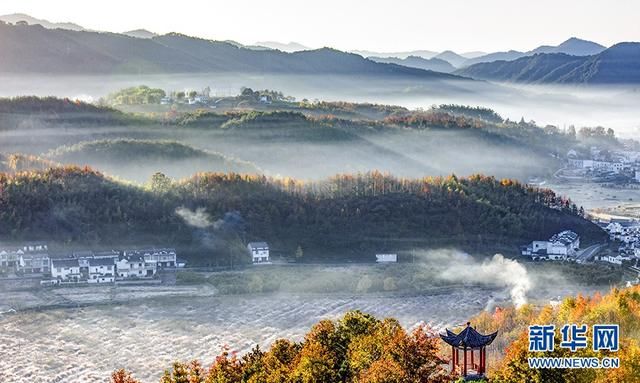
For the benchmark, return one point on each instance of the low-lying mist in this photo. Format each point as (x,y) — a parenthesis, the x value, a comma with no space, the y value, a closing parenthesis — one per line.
(614,107)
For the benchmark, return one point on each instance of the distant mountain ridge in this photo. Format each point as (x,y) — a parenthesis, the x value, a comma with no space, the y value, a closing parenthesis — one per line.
(35,49)
(140,34)
(572,46)
(434,64)
(452,57)
(619,64)
(289,47)
(18,17)
(425,54)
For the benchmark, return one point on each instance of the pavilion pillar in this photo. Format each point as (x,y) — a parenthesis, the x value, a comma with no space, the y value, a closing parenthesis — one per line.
(483,359)
(453,359)
(472,355)
(464,369)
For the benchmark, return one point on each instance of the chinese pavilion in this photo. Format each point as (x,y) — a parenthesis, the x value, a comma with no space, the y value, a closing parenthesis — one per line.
(469,343)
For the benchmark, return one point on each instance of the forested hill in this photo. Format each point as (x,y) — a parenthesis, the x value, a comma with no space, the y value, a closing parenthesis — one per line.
(345,217)
(35,49)
(619,64)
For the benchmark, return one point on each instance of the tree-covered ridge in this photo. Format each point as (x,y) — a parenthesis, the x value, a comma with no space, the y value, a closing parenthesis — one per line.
(125,150)
(355,348)
(34,104)
(619,306)
(61,111)
(128,149)
(136,95)
(349,216)
(478,112)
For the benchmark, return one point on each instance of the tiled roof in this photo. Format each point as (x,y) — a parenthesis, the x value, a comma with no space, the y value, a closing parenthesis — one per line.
(258,245)
(468,337)
(65,263)
(101,262)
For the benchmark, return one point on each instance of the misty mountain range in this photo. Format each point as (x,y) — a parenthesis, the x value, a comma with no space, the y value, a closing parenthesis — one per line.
(616,65)
(45,47)
(35,49)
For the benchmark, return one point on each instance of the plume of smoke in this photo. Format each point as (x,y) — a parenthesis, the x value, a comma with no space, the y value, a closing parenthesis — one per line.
(496,271)
(198,218)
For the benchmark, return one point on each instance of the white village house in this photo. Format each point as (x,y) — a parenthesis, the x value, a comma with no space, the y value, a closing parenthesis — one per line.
(627,232)
(65,270)
(135,266)
(259,252)
(386,258)
(623,230)
(560,246)
(163,258)
(101,270)
(83,268)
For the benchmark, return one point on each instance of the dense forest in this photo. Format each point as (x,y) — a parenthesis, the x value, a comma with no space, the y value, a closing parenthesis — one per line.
(344,217)
(361,348)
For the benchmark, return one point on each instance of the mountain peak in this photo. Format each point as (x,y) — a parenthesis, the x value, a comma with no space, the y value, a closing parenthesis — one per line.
(17,17)
(140,34)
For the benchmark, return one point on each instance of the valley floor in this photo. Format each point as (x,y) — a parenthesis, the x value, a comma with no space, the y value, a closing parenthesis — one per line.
(146,328)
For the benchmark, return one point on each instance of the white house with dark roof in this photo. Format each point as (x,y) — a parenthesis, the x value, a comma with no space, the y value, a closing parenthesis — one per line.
(560,246)
(135,266)
(259,252)
(102,270)
(563,245)
(163,258)
(9,260)
(65,270)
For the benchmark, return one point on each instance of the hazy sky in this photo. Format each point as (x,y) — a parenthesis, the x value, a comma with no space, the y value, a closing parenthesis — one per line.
(382,25)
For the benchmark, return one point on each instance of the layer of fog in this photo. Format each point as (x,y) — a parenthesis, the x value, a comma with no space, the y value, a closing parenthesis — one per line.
(614,107)
(402,153)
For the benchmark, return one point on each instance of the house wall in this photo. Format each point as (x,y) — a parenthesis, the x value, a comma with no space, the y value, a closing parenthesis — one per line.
(260,255)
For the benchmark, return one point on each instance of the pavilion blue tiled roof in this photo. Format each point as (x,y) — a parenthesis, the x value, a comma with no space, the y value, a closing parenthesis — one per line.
(468,338)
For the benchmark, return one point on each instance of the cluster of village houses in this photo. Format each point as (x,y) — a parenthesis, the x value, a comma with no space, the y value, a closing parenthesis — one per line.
(564,246)
(627,233)
(203,98)
(624,164)
(87,266)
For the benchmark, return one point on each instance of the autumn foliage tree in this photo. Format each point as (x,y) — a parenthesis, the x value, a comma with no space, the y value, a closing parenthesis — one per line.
(122,376)
(511,348)
(356,348)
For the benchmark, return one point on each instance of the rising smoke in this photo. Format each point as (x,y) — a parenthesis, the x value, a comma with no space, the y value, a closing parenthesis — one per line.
(496,271)
(197,218)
